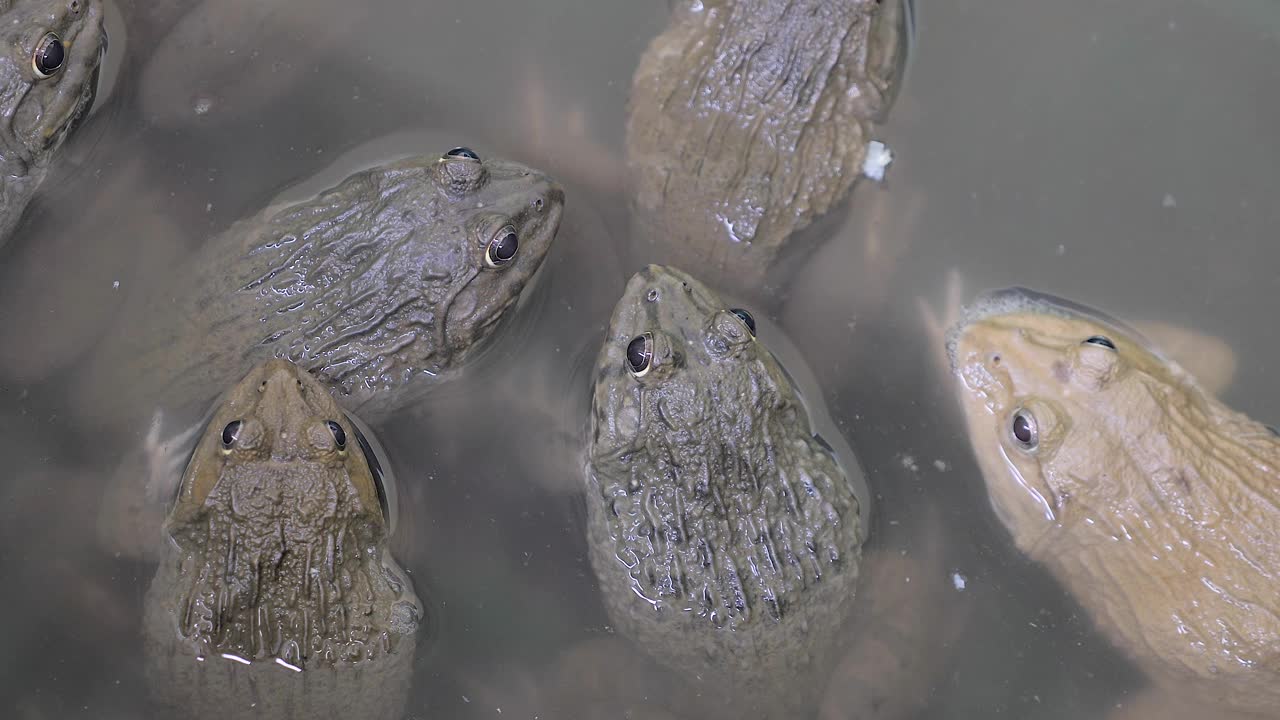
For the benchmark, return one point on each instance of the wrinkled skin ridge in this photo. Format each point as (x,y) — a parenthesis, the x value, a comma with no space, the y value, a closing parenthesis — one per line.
(251,592)
(724,535)
(750,118)
(277,559)
(377,286)
(37,114)
(1154,503)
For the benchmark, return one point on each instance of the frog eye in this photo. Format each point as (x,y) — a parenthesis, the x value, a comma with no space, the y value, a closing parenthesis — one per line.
(640,355)
(230,433)
(502,248)
(1024,429)
(1100,341)
(48,57)
(462,152)
(339,435)
(746,318)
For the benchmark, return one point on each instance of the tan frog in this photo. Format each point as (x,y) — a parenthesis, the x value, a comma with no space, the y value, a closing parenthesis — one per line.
(1148,499)
(748,119)
(278,596)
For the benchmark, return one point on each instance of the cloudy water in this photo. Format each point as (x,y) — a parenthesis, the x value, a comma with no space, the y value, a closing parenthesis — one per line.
(1120,154)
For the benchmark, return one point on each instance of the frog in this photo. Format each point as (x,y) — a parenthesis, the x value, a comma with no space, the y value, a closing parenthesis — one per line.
(725,536)
(749,119)
(277,595)
(50,76)
(382,287)
(1149,499)
(1208,357)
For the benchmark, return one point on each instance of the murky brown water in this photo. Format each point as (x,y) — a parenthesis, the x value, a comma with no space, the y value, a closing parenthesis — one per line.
(1123,154)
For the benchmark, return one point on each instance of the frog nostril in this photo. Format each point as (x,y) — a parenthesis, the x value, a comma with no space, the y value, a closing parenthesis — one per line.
(537,205)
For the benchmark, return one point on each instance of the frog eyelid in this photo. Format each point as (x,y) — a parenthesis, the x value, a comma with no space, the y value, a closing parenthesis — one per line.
(1100,341)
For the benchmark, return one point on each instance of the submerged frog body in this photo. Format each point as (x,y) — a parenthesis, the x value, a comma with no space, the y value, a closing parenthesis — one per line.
(725,536)
(750,118)
(48,75)
(1150,500)
(277,595)
(380,287)
(377,286)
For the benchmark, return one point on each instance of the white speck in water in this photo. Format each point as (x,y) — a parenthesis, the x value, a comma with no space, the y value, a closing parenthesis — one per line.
(909,463)
(115,285)
(1062,250)
(941,465)
(1169,201)
(959,581)
(466,699)
(208,207)
(878,158)
(696,6)
(203,105)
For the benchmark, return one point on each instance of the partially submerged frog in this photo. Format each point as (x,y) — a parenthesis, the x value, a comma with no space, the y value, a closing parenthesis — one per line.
(1150,500)
(748,119)
(725,536)
(380,287)
(277,595)
(48,77)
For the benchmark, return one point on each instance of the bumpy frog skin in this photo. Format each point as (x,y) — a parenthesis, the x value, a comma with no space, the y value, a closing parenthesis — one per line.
(725,536)
(278,554)
(48,74)
(377,286)
(749,118)
(1151,501)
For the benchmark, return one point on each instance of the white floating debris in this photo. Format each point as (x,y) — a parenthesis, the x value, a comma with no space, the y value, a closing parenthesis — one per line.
(909,463)
(115,285)
(941,465)
(959,581)
(878,158)
(1169,201)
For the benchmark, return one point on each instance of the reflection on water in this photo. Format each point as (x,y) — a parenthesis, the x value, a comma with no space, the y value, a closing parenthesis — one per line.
(1123,155)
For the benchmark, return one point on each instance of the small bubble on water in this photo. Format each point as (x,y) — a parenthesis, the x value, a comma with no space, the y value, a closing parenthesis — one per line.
(959,581)
(203,105)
